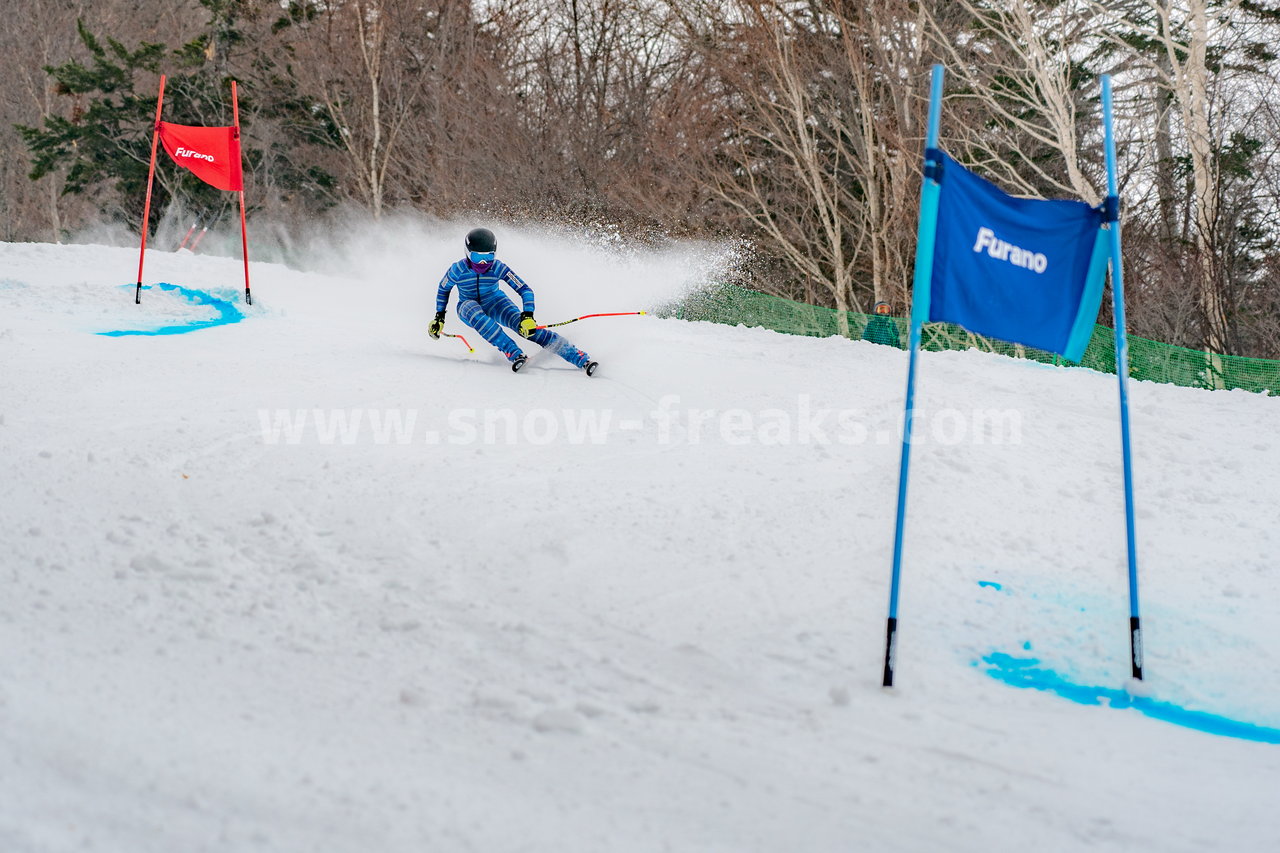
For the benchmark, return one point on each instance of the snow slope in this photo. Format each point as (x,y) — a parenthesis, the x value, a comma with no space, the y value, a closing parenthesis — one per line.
(229,623)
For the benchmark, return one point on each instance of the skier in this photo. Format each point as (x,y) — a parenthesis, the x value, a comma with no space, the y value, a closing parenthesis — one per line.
(482,306)
(881,329)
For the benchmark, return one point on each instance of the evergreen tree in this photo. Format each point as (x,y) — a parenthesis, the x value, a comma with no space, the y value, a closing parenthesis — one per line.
(105,141)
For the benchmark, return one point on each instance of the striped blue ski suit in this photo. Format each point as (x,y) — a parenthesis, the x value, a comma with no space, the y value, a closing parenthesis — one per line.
(482,306)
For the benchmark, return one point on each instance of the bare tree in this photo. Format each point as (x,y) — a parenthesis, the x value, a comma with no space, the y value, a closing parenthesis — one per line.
(368,62)
(1018,63)
(778,169)
(37,34)
(884,52)
(1199,54)
(819,118)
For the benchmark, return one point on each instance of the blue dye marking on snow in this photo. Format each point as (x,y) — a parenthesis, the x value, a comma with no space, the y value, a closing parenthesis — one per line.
(1026,672)
(991,584)
(228,312)
(1027,645)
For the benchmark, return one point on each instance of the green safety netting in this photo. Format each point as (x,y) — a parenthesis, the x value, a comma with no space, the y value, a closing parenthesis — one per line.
(1148,359)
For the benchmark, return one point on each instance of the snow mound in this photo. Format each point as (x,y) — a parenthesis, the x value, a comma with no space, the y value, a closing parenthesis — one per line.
(312,580)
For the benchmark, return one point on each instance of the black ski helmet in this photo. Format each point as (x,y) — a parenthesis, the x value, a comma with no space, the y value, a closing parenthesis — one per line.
(481,240)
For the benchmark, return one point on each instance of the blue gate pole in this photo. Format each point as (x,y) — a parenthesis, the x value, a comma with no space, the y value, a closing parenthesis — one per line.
(920,288)
(1122,371)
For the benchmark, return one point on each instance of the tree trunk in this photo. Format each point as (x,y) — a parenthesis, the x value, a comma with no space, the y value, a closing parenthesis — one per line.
(1192,77)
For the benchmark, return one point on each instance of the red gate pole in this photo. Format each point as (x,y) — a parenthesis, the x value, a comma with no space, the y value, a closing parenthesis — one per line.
(146,213)
(187,236)
(199,237)
(244,230)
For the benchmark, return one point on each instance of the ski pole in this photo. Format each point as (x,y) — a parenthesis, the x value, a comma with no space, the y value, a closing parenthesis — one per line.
(589,316)
(461,338)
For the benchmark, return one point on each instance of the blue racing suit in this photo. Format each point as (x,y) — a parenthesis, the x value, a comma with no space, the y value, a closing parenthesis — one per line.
(482,306)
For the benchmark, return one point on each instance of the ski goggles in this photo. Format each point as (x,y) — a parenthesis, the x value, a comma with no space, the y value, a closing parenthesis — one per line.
(483,257)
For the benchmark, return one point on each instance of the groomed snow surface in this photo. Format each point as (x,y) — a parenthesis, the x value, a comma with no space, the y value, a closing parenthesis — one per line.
(312,581)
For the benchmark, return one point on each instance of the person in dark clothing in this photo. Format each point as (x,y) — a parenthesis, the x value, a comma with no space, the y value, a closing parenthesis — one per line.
(881,329)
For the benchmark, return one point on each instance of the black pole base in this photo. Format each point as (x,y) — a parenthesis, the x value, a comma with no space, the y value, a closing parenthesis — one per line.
(890,651)
(248,297)
(137,296)
(1135,645)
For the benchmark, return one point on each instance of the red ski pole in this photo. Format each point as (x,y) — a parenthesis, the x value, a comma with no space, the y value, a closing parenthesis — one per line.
(459,337)
(589,316)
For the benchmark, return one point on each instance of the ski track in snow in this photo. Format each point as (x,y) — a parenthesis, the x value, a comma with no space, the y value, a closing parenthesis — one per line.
(214,641)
